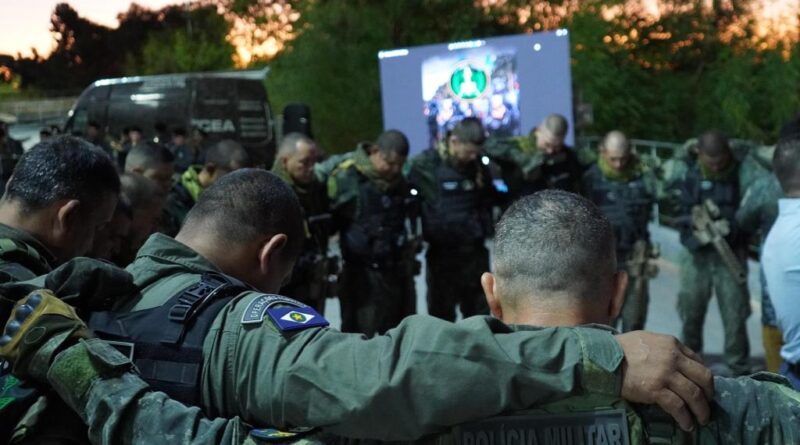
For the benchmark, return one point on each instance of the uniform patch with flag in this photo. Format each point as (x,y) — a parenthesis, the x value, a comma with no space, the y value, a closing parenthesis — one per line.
(294,318)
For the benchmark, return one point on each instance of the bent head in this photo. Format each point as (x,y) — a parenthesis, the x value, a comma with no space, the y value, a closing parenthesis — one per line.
(388,154)
(550,134)
(153,161)
(554,263)
(298,154)
(616,150)
(222,158)
(249,224)
(62,191)
(465,140)
(714,151)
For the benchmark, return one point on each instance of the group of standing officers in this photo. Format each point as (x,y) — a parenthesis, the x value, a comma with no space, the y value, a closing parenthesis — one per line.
(201,308)
(448,197)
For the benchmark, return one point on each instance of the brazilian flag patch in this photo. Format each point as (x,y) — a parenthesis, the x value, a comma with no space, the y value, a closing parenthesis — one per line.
(295,318)
(276,435)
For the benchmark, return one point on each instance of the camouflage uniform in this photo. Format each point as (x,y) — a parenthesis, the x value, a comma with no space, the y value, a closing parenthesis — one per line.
(456,203)
(309,281)
(757,213)
(376,286)
(703,270)
(180,200)
(22,257)
(526,170)
(394,387)
(626,198)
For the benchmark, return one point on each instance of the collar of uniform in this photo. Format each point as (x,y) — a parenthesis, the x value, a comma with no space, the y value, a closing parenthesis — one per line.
(25,237)
(164,248)
(788,206)
(602,357)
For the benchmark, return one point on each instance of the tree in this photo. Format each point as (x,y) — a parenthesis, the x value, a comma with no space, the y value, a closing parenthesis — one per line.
(332,65)
(199,45)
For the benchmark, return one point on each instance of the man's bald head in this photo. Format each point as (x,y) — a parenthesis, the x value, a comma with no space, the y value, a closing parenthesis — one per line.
(616,150)
(550,133)
(617,142)
(228,155)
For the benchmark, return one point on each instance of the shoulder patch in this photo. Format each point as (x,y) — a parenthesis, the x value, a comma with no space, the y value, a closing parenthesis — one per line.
(295,318)
(255,311)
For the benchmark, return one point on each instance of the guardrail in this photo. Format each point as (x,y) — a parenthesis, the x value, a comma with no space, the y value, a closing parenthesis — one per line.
(37,110)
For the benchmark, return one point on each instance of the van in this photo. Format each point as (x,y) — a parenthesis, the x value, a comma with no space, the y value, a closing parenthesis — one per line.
(226,105)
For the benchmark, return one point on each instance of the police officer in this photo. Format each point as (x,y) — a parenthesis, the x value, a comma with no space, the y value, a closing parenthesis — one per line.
(456,194)
(205,335)
(618,185)
(62,191)
(371,205)
(220,159)
(713,178)
(540,161)
(541,241)
(294,164)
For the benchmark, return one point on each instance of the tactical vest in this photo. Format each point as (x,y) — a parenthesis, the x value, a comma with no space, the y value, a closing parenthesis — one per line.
(724,193)
(166,342)
(626,204)
(457,216)
(377,235)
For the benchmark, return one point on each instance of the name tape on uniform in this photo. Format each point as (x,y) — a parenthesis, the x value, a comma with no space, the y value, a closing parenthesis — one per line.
(609,427)
(294,318)
(257,309)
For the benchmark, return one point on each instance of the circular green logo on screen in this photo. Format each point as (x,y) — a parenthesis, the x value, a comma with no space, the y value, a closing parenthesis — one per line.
(468,82)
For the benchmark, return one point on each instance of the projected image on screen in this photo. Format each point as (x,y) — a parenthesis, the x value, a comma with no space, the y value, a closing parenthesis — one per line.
(511,83)
(478,82)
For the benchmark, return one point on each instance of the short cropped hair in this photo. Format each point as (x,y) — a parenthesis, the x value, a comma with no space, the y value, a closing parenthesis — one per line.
(139,192)
(786,164)
(469,130)
(556,124)
(288,145)
(553,241)
(246,204)
(226,153)
(713,142)
(148,155)
(393,141)
(64,167)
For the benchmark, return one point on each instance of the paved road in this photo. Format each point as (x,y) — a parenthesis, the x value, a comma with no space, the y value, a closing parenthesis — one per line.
(662,316)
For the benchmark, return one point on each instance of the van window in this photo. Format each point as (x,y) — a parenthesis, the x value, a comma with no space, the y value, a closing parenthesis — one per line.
(80,119)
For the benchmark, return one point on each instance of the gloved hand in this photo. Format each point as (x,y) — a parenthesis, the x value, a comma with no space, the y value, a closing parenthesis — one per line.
(40,326)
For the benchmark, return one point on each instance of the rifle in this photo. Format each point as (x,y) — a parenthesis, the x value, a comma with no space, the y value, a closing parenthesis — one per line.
(710,228)
(641,270)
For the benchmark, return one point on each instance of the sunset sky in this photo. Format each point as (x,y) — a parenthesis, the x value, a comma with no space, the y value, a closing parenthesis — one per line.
(26,23)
